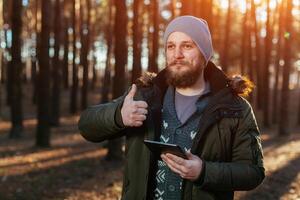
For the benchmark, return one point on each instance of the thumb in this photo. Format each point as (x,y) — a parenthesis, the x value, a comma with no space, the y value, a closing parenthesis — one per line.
(189,155)
(132,91)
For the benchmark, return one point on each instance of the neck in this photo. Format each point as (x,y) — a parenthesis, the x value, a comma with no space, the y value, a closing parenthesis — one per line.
(197,89)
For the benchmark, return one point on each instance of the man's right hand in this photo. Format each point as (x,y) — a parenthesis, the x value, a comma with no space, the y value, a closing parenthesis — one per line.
(133,112)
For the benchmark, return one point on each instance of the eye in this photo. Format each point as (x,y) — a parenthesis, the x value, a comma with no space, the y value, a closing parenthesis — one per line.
(187,46)
(170,46)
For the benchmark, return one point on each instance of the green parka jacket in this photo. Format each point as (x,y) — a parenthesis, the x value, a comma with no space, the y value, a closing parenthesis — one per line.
(228,140)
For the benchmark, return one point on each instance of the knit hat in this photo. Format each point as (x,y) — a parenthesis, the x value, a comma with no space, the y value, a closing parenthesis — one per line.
(197,29)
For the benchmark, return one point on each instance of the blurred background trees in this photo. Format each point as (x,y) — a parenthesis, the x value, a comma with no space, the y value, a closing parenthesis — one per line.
(81,47)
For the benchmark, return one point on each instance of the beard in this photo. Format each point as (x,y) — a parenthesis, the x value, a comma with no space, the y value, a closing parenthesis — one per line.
(182,74)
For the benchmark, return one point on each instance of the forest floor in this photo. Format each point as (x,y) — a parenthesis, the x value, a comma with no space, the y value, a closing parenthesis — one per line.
(76,169)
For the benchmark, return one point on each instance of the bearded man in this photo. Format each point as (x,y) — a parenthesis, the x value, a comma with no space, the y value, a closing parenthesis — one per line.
(193,104)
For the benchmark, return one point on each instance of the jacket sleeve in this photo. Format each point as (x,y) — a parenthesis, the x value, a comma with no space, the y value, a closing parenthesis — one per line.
(246,170)
(101,122)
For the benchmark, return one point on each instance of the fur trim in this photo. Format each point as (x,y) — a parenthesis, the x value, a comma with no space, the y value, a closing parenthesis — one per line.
(146,79)
(241,85)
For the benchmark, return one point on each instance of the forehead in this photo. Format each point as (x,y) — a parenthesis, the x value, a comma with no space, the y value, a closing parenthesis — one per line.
(179,37)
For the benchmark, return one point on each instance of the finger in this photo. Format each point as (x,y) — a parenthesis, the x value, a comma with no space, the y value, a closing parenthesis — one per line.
(138,117)
(175,158)
(174,170)
(132,92)
(179,163)
(141,104)
(142,111)
(173,164)
(169,164)
(137,123)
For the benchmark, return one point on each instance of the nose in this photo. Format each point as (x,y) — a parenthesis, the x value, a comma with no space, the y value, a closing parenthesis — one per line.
(178,53)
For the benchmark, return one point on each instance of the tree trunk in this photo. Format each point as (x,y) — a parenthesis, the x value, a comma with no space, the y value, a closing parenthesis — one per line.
(298,118)
(65,73)
(149,34)
(153,67)
(85,51)
(205,11)
(73,100)
(95,74)
(56,70)
(43,126)
(250,60)
(16,72)
(7,6)
(245,31)
(257,68)
(3,69)
(120,28)
(277,70)
(173,8)
(94,58)
(137,41)
(225,53)
(187,7)
(35,64)
(106,85)
(266,73)
(285,94)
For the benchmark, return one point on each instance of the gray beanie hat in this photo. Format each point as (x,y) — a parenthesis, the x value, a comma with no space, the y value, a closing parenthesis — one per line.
(197,29)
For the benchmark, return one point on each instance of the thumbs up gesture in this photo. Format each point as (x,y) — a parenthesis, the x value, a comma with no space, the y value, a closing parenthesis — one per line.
(133,112)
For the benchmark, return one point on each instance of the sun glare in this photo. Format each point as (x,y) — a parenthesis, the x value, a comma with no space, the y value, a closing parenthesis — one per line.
(242,5)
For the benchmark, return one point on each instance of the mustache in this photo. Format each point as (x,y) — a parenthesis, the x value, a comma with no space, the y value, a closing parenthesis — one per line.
(176,62)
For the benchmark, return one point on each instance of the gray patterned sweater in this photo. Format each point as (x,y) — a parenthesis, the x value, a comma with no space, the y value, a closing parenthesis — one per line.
(180,132)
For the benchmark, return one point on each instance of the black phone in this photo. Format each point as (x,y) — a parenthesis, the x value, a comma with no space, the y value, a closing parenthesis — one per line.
(157,148)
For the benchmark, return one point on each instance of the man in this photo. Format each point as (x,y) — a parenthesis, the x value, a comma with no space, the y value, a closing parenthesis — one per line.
(191,103)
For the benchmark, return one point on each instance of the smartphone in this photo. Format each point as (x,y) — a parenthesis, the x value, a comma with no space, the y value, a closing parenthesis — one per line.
(157,148)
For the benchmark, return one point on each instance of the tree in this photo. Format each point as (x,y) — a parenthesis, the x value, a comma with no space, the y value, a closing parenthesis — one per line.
(298,117)
(120,28)
(43,126)
(245,31)
(205,11)
(73,97)
(2,68)
(257,53)
(7,6)
(34,58)
(137,41)
(187,7)
(153,65)
(105,90)
(225,53)
(86,34)
(266,72)
(16,72)
(277,62)
(57,67)
(285,94)
(65,69)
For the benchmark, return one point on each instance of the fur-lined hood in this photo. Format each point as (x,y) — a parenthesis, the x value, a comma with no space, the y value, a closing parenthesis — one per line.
(239,84)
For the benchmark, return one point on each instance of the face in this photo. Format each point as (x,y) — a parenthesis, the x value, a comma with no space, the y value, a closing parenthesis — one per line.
(185,62)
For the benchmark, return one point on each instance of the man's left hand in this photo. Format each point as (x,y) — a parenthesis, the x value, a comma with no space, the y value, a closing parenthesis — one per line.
(186,168)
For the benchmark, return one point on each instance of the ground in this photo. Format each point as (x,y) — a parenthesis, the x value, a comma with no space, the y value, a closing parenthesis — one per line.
(76,169)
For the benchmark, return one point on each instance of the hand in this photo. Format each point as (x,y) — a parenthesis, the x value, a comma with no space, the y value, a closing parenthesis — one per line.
(133,112)
(188,169)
